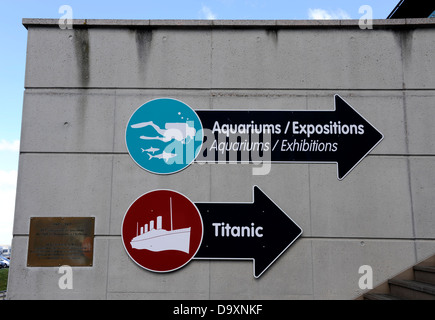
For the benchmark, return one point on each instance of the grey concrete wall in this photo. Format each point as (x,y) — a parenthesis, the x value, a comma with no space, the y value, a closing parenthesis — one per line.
(82,85)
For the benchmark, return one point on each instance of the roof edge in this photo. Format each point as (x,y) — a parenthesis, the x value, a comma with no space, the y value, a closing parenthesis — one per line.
(119,23)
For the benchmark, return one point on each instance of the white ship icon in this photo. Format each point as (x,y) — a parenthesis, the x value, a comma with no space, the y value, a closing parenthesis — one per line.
(158,239)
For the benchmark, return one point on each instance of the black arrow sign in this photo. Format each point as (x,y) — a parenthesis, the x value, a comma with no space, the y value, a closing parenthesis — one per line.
(339,136)
(258,231)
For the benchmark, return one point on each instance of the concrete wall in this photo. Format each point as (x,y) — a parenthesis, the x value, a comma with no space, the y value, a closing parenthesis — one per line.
(82,85)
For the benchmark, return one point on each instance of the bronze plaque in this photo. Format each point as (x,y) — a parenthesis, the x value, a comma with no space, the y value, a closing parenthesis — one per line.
(61,241)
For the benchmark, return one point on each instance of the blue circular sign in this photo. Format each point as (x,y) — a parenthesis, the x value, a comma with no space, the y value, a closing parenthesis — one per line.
(164,136)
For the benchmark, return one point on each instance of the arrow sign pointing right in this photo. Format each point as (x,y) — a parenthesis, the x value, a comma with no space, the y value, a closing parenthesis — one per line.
(339,136)
(258,231)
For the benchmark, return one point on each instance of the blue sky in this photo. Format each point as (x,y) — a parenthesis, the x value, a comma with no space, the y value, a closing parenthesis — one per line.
(14,40)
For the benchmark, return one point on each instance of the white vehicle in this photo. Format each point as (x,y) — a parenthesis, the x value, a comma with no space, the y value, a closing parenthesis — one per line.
(5,251)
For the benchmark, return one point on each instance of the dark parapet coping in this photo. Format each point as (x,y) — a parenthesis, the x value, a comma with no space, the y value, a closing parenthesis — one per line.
(231,24)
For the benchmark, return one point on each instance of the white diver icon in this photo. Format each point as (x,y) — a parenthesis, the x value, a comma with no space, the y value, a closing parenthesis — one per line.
(177,130)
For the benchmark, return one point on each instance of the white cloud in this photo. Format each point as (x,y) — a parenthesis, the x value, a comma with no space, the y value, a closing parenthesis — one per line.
(9,146)
(322,14)
(207,13)
(8,179)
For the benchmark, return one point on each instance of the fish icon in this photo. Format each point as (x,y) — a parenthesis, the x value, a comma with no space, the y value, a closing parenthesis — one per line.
(152,150)
(165,156)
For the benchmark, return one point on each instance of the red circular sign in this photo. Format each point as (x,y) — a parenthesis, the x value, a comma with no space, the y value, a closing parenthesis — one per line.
(162,230)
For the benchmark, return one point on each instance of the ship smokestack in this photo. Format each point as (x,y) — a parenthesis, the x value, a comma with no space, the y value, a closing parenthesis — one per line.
(141,230)
(159,222)
(151,225)
(146,227)
(170,210)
